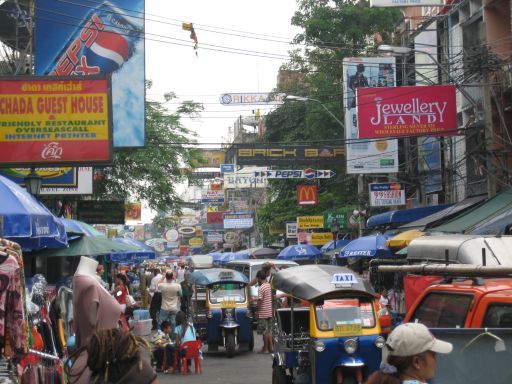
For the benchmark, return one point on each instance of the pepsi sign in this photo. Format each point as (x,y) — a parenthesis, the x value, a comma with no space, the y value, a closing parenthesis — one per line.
(296,174)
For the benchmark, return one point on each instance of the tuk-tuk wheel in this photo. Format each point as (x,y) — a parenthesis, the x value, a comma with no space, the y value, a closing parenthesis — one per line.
(230,345)
(279,376)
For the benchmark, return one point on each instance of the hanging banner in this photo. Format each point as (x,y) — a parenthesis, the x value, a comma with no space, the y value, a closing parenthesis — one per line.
(252,98)
(48,121)
(306,222)
(93,37)
(367,156)
(267,154)
(407,111)
(296,174)
(307,195)
(387,194)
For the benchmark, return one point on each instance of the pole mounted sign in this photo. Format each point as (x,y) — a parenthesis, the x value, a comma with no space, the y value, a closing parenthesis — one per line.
(387,194)
(307,195)
(296,174)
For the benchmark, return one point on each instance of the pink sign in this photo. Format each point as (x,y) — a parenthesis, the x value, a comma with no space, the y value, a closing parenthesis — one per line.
(406,111)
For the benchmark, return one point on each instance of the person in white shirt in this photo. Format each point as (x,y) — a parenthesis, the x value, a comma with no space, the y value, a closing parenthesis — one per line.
(171,293)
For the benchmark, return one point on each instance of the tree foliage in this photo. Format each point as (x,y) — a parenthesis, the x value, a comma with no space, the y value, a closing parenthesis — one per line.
(152,173)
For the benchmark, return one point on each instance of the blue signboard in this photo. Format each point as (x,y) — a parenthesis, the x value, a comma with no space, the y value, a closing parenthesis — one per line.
(227,168)
(90,37)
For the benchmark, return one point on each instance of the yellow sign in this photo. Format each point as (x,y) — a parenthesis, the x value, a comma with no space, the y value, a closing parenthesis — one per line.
(306,222)
(320,238)
(211,158)
(351,329)
(276,229)
(195,242)
(228,303)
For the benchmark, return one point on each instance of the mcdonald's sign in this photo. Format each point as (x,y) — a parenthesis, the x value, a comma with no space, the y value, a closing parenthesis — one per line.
(307,195)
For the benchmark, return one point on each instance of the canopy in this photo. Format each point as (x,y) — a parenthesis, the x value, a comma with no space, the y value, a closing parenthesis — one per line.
(335,251)
(464,249)
(497,225)
(471,219)
(263,253)
(26,221)
(314,281)
(142,251)
(88,246)
(217,275)
(230,256)
(331,245)
(80,228)
(373,246)
(404,238)
(444,215)
(299,252)
(403,216)
(201,261)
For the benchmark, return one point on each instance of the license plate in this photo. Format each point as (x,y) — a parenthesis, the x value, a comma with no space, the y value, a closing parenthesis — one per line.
(347,329)
(228,303)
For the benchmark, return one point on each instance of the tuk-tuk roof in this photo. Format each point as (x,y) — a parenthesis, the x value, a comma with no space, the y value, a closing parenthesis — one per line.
(310,282)
(201,261)
(217,275)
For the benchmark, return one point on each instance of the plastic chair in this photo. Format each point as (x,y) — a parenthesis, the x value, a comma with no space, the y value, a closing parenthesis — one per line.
(191,351)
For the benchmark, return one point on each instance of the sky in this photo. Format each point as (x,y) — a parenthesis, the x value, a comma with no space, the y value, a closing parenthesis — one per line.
(173,66)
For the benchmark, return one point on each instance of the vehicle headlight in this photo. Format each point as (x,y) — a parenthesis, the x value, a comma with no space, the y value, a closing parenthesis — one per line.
(209,314)
(380,342)
(350,346)
(319,346)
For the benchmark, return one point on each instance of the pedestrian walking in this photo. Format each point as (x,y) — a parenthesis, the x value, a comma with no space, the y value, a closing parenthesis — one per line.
(264,312)
(171,292)
(156,297)
(412,356)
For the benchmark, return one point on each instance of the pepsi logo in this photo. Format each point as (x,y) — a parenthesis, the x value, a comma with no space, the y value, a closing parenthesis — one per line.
(309,173)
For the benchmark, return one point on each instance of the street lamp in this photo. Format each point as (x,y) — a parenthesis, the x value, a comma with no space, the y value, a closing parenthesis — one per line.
(302,98)
(33,182)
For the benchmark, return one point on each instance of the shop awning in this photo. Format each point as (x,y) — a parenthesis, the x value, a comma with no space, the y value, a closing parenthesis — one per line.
(498,225)
(404,238)
(483,212)
(444,215)
(403,216)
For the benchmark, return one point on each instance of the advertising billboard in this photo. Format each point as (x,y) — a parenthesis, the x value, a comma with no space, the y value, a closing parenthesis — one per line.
(387,194)
(268,154)
(238,220)
(407,111)
(100,212)
(367,156)
(307,222)
(291,230)
(252,98)
(307,195)
(406,3)
(243,180)
(55,121)
(210,158)
(213,197)
(296,174)
(91,37)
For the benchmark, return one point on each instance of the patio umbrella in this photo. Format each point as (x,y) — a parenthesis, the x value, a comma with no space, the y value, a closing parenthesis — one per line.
(266,253)
(331,245)
(26,221)
(88,246)
(373,246)
(299,252)
(142,253)
(403,239)
(80,228)
(217,255)
(230,256)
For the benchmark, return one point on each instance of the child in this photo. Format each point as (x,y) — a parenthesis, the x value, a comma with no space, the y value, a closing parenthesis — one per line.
(164,351)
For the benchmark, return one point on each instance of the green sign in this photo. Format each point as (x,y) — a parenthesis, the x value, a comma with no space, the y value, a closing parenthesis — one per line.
(340,216)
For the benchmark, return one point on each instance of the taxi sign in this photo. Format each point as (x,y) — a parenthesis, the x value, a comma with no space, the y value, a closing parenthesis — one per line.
(228,302)
(343,280)
(226,275)
(348,329)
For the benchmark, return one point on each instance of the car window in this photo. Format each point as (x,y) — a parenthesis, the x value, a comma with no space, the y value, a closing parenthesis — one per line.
(443,310)
(241,268)
(498,315)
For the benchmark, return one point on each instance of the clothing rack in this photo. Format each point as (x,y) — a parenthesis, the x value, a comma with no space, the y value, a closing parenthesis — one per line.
(44,355)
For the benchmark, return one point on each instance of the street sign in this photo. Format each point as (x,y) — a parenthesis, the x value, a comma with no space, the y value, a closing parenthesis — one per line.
(296,174)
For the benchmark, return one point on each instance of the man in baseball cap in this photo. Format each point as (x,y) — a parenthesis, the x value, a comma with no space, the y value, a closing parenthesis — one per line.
(412,350)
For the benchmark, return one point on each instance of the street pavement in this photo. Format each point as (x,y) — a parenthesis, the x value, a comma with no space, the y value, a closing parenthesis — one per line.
(244,368)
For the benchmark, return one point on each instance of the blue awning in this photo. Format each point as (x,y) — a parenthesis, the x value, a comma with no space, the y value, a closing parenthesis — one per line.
(403,216)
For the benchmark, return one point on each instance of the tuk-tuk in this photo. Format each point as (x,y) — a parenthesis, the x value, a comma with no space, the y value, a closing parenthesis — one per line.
(331,333)
(225,318)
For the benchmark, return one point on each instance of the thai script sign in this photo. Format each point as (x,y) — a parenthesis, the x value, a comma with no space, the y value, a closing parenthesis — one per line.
(306,222)
(252,98)
(266,154)
(387,194)
(296,174)
(99,37)
(407,111)
(55,121)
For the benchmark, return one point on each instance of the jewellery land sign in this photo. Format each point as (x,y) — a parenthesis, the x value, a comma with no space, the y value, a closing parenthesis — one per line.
(387,194)
(256,98)
(55,121)
(296,174)
(238,221)
(291,230)
(267,155)
(56,181)
(406,3)
(307,222)
(407,111)
(367,156)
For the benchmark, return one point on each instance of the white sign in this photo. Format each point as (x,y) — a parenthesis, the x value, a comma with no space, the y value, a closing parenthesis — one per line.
(344,279)
(171,235)
(213,196)
(291,230)
(296,174)
(252,98)
(84,185)
(405,3)
(238,221)
(387,194)
(367,155)
(214,237)
(243,180)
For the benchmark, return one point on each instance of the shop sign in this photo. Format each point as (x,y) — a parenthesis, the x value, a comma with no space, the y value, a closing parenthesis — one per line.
(407,111)
(100,212)
(138,233)
(244,180)
(321,238)
(304,238)
(214,217)
(210,158)
(213,197)
(276,229)
(340,216)
(238,220)
(227,168)
(296,174)
(184,250)
(195,242)
(171,235)
(306,222)
(214,237)
(291,230)
(252,98)
(387,194)
(267,154)
(188,220)
(307,195)
(133,211)
(406,3)
(231,237)
(47,121)
(187,231)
